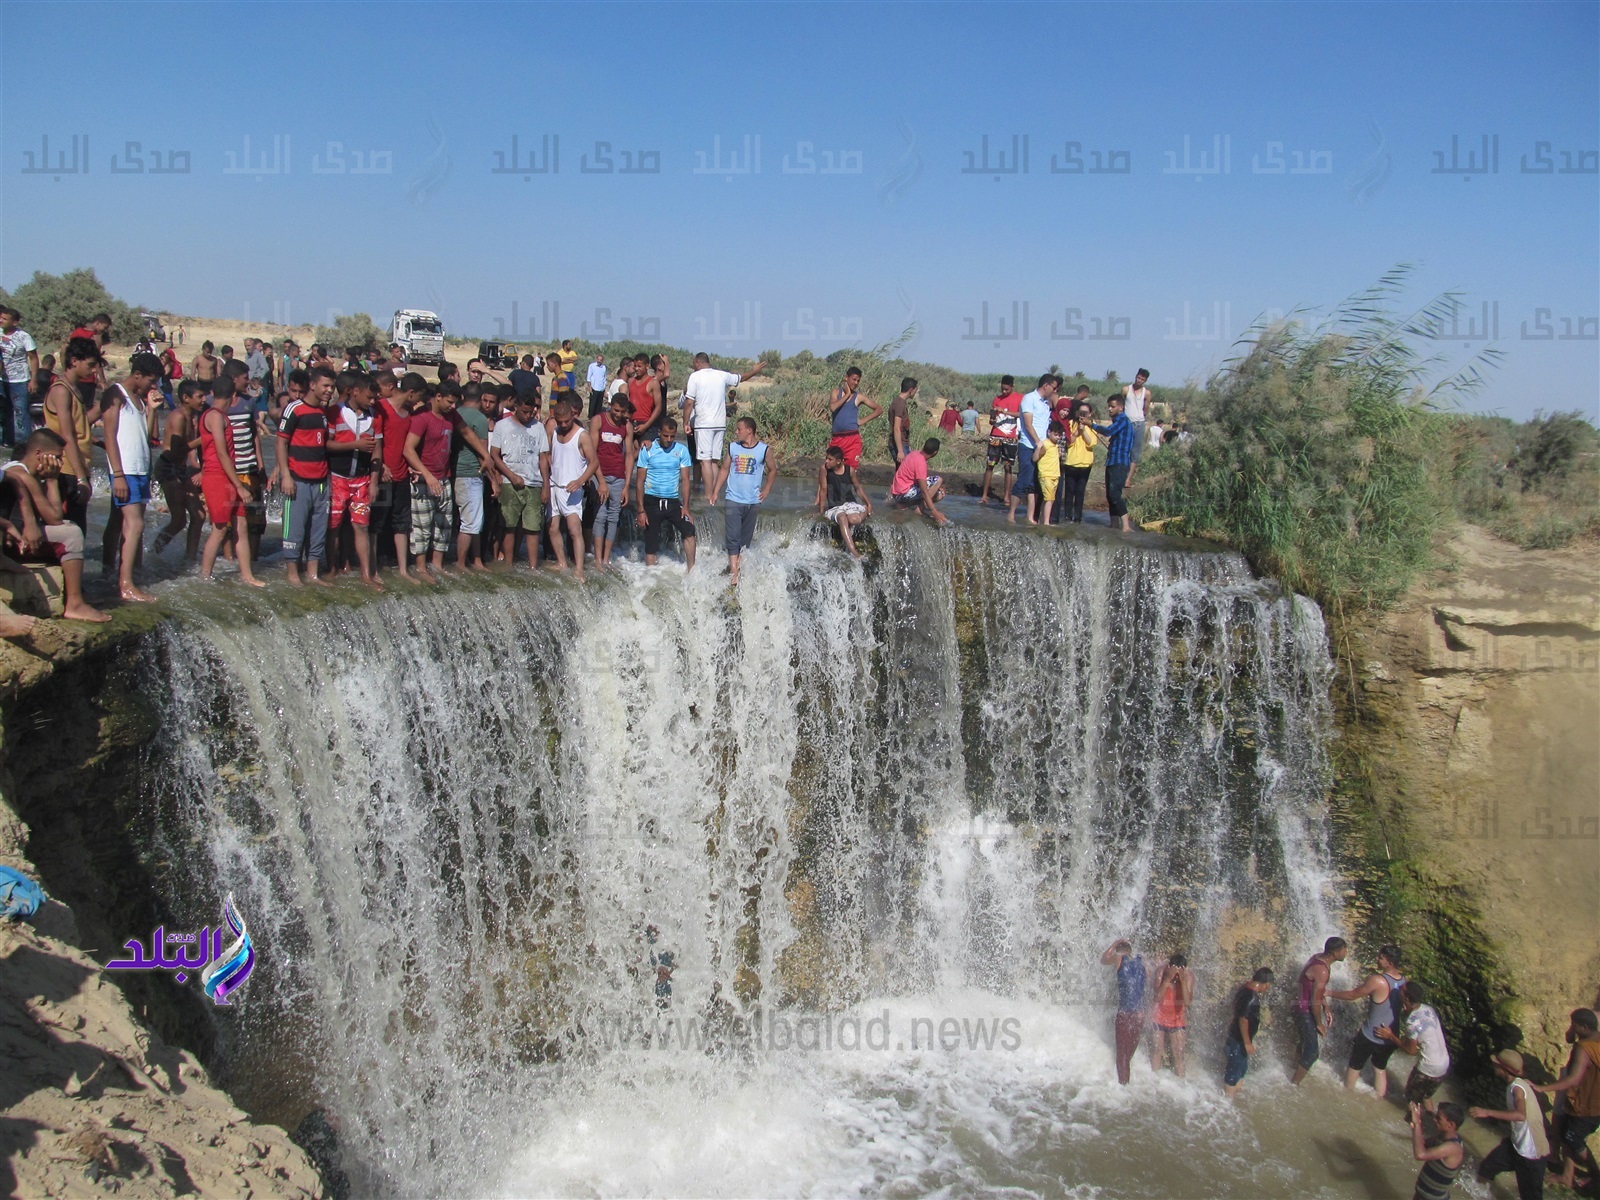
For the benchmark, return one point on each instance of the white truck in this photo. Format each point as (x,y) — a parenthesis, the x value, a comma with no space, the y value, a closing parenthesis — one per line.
(420,334)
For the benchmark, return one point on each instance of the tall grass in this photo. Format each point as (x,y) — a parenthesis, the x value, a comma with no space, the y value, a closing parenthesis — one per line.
(1313,455)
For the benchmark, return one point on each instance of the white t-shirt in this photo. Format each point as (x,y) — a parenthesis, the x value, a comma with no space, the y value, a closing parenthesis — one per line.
(14,350)
(520,446)
(1154,435)
(1423,1027)
(1133,403)
(708,388)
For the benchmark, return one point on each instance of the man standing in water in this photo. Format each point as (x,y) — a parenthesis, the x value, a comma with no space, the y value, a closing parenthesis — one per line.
(1381,990)
(1240,1044)
(1131,980)
(1312,1018)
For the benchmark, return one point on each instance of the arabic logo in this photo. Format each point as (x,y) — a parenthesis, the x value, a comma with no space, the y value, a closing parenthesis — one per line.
(900,178)
(430,178)
(1374,173)
(227,974)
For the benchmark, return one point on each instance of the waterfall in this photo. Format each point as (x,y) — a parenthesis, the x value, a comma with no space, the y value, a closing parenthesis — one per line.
(464,824)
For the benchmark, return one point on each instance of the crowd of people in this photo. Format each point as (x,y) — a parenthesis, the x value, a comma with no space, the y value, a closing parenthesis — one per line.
(1395,1016)
(379,466)
(374,462)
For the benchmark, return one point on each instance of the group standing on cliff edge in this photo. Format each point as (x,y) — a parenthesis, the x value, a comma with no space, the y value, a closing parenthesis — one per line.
(1395,1017)
(376,464)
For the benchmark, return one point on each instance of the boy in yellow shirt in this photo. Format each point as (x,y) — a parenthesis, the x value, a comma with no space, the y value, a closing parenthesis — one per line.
(1047,462)
(1082,439)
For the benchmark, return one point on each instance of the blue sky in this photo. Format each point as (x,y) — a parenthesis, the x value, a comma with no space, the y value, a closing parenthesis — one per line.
(1326,143)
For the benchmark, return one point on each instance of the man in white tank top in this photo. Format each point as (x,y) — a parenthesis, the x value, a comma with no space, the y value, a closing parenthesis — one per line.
(1135,396)
(573,463)
(129,422)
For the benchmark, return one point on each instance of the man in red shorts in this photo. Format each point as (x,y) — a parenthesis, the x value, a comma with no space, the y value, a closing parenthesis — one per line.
(351,469)
(226,495)
(845,404)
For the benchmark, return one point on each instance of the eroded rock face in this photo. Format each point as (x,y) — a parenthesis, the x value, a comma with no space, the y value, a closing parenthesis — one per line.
(1488,685)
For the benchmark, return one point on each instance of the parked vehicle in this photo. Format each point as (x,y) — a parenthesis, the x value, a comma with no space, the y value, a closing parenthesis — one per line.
(420,334)
(152,327)
(498,356)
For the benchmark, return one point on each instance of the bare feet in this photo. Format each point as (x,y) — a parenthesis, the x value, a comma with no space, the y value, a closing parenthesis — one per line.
(373,582)
(250,581)
(82,611)
(136,595)
(15,625)
(318,580)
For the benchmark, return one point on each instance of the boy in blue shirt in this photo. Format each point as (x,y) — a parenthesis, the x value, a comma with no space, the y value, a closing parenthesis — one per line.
(748,472)
(662,469)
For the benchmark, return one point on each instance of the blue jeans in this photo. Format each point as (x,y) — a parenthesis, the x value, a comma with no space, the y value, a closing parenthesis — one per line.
(1027,472)
(18,418)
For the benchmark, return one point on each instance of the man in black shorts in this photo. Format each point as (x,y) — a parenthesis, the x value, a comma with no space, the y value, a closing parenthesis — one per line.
(1004,416)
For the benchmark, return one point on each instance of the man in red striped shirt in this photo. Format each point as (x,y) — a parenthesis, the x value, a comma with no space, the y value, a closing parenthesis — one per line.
(303,477)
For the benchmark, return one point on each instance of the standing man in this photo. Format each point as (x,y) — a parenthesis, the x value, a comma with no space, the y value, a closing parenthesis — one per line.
(129,423)
(1312,1017)
(969,420)
(1381,991)
(1582,1085)
(645,412)
(611,432)
(705,410)
(526,380)
(21,358)
(351,469)
(432,499)
(900,420)
(1524,1150)
(1122,445)
(1131,980)
(1003,417)
(303,477)
(66,415)
(572,464)
(519,449)
(662,469)
(569,366)
(748,472)
(1135,398)
(595,376)
(205,366)
(468,473)
(257,366)
(1033,424)
(391,424)
(845,404)
(1240,1044)
(245,422)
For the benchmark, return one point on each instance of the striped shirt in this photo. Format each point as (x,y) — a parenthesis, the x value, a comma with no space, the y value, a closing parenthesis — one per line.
(242,427)
(1120,437)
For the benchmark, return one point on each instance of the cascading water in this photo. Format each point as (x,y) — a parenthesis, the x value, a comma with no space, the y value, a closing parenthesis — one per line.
(859,810)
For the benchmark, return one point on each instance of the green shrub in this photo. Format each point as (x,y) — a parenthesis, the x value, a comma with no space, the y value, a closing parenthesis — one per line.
(351,329)
(52,306)
(1314,453)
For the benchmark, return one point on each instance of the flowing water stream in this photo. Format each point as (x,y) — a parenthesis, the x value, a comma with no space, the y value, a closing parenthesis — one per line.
(880,822)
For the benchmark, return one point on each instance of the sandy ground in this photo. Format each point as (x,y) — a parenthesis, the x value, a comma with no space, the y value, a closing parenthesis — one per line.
(91,1103)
